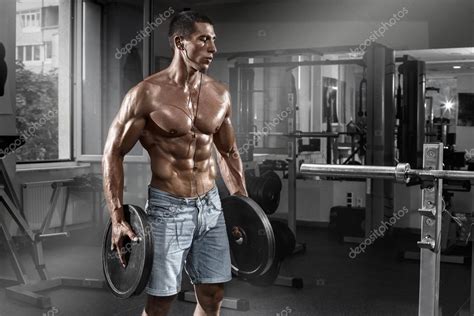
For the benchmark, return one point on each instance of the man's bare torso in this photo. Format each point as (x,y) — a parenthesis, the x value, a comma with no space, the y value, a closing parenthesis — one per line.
(180,151)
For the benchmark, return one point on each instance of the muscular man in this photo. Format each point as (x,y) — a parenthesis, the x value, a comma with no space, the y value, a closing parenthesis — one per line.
(178,115)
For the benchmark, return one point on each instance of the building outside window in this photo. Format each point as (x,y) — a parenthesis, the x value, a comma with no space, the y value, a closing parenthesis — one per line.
(48,50)
(43,85)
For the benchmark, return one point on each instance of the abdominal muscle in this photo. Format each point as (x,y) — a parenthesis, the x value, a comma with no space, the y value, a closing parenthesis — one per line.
(177,168)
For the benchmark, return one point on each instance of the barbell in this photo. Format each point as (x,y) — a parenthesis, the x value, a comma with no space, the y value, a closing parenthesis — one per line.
(401,173)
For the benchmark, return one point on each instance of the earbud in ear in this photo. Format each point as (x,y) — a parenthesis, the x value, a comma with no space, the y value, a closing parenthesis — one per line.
(179,44)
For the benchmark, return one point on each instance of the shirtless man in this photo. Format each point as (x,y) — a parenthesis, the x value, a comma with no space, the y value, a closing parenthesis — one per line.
(177,115)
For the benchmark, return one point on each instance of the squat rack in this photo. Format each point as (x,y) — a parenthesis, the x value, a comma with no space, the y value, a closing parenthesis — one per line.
(431,210)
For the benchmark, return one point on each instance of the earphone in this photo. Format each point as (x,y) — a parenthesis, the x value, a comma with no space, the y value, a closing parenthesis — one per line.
(179,44)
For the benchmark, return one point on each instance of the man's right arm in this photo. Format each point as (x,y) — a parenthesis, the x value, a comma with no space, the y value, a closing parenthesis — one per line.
(124,133)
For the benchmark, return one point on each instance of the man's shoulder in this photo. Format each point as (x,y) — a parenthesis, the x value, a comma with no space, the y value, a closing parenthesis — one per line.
(140,96)
(138,93)
(155,81)
(219,87)
(149,86)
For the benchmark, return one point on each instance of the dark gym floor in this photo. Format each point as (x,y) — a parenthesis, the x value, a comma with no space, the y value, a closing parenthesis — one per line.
(376,282)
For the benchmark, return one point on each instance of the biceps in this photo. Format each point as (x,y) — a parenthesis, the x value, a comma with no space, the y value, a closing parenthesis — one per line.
(225,138)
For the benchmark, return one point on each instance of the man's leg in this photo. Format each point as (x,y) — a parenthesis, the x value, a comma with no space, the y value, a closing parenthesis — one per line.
(158,305)
(165,212)
(209,297)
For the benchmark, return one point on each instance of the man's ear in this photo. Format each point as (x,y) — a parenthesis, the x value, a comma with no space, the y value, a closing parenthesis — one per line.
(179,43)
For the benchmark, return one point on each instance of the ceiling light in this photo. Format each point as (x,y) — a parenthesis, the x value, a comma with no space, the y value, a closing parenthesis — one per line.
(448,105)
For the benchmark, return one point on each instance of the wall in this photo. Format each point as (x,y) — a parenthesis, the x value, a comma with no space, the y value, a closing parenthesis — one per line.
(311,204)
(315,198)
(297,24)
(306,35)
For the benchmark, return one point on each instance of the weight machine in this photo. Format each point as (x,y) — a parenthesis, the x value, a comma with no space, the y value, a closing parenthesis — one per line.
(26,290)
(244,106)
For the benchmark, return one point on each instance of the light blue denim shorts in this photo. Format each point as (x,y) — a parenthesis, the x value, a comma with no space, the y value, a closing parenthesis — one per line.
(189,233)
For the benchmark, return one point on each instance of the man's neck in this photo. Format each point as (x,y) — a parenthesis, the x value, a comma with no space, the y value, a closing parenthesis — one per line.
(183,74)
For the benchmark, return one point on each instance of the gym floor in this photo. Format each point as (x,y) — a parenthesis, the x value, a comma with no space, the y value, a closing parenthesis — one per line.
(376,282)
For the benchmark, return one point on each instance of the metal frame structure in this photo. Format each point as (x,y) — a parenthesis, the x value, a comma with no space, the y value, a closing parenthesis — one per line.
(293,134)
(380,101)
(431,178)
(26,290)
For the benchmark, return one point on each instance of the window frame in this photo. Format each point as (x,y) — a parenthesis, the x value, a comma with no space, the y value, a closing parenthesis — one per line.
(45,49)
(30,19)
(78,137)
(26,165)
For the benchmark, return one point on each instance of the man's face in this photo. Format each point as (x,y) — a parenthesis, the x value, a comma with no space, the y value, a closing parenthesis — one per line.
(201,45)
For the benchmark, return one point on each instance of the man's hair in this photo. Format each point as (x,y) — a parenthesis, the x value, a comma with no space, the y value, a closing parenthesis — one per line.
(182,24)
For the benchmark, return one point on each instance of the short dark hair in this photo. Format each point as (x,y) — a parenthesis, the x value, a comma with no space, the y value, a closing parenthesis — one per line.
(182,24)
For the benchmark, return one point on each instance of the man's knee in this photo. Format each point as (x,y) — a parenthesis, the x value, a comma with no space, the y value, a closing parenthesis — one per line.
(210,297)
(158,305)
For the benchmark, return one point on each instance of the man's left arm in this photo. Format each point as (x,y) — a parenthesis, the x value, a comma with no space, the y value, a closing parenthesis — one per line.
(228,157)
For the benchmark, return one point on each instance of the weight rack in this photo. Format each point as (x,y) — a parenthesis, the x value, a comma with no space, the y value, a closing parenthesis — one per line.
(431,181)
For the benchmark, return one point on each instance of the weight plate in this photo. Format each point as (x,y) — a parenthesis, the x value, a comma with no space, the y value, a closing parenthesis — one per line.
(131,280)
(253,255)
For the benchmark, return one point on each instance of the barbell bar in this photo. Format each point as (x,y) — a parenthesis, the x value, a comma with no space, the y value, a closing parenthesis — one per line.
(400,173)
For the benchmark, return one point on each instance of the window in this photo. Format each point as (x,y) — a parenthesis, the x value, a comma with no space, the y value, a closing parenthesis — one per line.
(48,50)
(28,50)
(29,53)
(43,90)
(104,76)
(50,16)
(19,53)
(36,52)
(30,19)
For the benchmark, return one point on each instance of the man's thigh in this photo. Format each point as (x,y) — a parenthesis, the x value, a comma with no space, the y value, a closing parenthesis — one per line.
(172,229)
(208,261)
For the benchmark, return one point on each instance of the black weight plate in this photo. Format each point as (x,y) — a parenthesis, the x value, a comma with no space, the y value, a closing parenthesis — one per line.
(265,191)
(271,195)
(270,174)
(285,240)
(131,280)
(269,277)
(256,254)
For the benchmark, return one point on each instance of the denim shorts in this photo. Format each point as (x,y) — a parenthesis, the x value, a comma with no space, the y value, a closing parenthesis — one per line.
(189,233)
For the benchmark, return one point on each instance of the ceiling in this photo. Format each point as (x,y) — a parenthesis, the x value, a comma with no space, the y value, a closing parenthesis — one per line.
(440,62)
